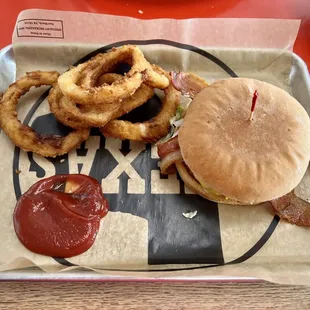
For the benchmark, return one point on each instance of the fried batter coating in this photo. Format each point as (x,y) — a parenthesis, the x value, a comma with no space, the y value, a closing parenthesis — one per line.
(24,136)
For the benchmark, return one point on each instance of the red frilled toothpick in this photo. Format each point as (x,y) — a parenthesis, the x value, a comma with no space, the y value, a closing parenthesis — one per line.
(254,99)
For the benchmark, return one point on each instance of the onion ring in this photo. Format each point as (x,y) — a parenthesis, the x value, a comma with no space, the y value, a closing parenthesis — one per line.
(151,130)
(24,136)
(54,97)
(196,187)
(293,209)
(107,78)
(143,94)
(110,94)
(86,116)
(69,119)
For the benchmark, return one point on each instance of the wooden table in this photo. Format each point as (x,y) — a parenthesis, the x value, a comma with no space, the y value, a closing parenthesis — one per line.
(160,295)
(152,296)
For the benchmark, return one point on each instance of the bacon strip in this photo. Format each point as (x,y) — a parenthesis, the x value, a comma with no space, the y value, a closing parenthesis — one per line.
(170,153)
(172,145)
(189,84)
(293,209)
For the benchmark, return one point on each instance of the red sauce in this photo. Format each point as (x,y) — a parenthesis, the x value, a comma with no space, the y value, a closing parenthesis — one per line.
(60,216)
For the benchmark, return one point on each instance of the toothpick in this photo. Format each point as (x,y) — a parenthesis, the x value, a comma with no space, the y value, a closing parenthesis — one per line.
(254,99)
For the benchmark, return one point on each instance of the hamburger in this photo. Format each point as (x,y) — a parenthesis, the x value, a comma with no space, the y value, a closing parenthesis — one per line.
(224,156)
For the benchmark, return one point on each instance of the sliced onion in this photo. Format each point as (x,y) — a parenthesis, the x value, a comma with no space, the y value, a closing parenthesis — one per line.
(178,123)
(176,133)
(167,163)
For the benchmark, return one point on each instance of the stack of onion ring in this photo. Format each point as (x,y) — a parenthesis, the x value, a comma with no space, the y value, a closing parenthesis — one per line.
(151,130)
(92,95)
(141,71)
(85,116)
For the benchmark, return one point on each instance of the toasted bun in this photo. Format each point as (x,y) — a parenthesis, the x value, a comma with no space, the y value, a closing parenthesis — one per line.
(248,161)
(196,187)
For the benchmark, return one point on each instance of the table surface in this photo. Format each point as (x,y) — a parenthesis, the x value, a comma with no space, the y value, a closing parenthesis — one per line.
(160,295)
(153,296)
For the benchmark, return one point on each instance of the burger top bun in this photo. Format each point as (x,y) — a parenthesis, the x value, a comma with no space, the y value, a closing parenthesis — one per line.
(249,161)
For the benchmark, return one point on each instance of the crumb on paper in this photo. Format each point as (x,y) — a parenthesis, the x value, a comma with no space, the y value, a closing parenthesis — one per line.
(140,12)
(190,215)
(17,171)
(62,160)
